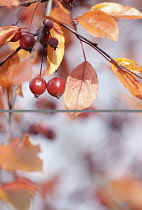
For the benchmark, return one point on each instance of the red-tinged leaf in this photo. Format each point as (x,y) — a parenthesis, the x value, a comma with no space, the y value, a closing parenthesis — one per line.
(54,57)
(61,15)
(15,72)
(9,3)
(81,88)
(118,10)
(128,79)
(17,194)
(20,155)
(6,33)
(99,24)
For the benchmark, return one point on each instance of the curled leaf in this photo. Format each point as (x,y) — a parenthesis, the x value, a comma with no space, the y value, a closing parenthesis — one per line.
(99,24)
(128,79)
(54,57)
(118,10)
(81,88)
(6,33)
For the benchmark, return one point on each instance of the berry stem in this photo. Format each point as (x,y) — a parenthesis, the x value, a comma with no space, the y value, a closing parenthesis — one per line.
(41,62)
(100,51)
(10,55)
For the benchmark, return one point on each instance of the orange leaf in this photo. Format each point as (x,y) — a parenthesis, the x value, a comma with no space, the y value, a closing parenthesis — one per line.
(61,15)
(54,57)
(99,24)
(81,87)
(20,155)
(129,190)
(6,33)
(128,79)
(17,194)
(9,3)
(118,10)
(15,72)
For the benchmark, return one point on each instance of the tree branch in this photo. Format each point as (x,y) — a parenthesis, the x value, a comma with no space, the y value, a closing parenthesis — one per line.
(9,56)
(99,50)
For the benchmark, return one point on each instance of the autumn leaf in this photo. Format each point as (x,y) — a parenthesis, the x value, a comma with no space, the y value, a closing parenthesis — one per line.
(118,10)
(6,33)
(20,154)
(15,72)
(81,88)
(54,57)
(128,190)
(9,3)
(99,24)
(61,15)
(17,194)
(128,79)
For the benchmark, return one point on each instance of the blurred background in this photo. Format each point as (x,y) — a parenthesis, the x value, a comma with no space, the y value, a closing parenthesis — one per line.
(95,161)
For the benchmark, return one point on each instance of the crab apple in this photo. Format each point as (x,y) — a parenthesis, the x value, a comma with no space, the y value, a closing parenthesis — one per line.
(37,86)
(27,42)
(44,40)
(53,42)
(48,25)
(56,87)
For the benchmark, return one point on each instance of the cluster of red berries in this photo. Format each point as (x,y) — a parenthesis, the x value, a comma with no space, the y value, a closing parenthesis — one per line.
(55,86)
(27,40)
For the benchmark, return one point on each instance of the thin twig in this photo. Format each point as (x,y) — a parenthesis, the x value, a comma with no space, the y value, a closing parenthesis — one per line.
(103,53)
(10,55)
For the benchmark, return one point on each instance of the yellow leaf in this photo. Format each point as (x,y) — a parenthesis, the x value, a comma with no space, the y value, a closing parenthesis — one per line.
(99,24)
(20,155)
(54,57)
(128,79)
(118,10)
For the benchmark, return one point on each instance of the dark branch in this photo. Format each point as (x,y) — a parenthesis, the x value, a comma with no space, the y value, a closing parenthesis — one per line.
(103,53)
(9,56)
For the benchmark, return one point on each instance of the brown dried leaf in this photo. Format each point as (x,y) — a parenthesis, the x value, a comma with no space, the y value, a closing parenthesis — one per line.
(81,88)
(99,24)
(118,10)
(20,154)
